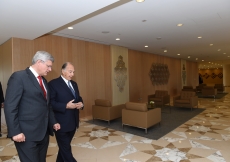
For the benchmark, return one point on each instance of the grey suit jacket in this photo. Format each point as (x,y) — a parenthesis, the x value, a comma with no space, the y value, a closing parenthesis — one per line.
(26,109)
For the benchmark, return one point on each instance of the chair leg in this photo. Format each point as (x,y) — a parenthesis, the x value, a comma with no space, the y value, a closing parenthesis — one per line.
(146,130)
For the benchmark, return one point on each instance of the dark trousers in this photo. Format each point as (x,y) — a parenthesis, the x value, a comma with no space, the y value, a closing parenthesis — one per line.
(64,139)
(33,151)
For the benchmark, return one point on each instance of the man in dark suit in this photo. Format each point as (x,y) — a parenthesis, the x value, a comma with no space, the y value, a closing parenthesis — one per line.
(66,102)
(1,106)
(29,117)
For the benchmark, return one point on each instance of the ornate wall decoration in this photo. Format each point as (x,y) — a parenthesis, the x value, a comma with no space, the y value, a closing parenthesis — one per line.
(183,73)
(159,74)
(120,73)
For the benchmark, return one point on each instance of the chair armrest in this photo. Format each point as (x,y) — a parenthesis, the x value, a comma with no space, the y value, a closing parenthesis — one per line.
(151,96)
(194,101)
(116,111)
(166,99)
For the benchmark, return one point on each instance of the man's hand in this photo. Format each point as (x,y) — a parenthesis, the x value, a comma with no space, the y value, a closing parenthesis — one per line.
(19,138)
(57,126)
(71,105)
(79,105)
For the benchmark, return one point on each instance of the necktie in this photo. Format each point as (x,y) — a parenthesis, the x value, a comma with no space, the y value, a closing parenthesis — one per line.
(73,92)
(41,85)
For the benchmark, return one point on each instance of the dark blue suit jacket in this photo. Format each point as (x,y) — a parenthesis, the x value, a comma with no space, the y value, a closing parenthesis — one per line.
(60,95)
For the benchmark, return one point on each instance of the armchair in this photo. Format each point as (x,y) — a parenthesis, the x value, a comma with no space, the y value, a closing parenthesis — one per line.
(209,91)
(219,87)
(199,87)
(188,88)
(187,99)
(160,98)
(104,110)
(138,115)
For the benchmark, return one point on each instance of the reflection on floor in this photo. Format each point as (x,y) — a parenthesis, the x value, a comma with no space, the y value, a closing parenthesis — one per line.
(204,138)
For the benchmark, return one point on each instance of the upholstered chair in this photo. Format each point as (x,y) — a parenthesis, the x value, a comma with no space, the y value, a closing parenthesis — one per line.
(199,87)
(104,110)
(160,98)
(188,88)
(209,91)
(219,87)
(138,115)
(187,99)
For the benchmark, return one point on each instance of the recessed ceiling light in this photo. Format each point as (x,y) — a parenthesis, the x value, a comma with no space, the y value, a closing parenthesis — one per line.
(158,38)
(228,56)
(140,0)
(105,32)
(179,24)
(146,46)
(224,53)
(219,50)
(188,56)
(144,20)
(209,62)
(70,27)
(117,38)
(211,44)
(199,37)
(165,50)
(178,54)
(202,60)
(196,58)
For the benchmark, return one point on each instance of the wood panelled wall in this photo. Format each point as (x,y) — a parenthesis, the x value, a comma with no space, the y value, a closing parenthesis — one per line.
(212,76)
(139,80)
(92,64)
(5,63)
(93,67)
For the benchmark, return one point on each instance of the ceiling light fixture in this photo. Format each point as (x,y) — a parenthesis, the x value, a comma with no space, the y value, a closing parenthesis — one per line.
(188,56)
(70,27)
(199,37)
(178,54)
(224,53)
(146,46)
(211,44)
(196,58)
(140,1)
(117,38)
(165,51)
(219,50)
(202,60)
(179,24)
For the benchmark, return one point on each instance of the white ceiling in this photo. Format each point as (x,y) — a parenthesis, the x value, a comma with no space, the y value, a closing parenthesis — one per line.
(124,19)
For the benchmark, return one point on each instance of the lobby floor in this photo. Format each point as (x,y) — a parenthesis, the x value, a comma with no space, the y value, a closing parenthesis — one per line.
(204,138)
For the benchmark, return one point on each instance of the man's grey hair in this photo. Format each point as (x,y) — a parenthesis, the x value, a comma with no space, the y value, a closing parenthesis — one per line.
(42,55)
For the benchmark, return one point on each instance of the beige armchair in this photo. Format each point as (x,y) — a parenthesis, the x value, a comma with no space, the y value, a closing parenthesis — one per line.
(209,91)
(187,99)
(199,87)
(138,115)
(219,87)
(104,110)
(188,88)
(160,98)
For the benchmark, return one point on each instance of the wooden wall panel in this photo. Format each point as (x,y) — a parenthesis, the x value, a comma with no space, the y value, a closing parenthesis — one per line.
(139,80)
(91,61)
(192,74)
(5,63)
(92,64)
(23,51)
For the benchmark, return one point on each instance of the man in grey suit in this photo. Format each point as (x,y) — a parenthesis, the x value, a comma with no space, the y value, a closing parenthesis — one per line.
(29,117)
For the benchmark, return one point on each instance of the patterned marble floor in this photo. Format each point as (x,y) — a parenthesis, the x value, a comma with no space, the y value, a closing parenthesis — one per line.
(205,138)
